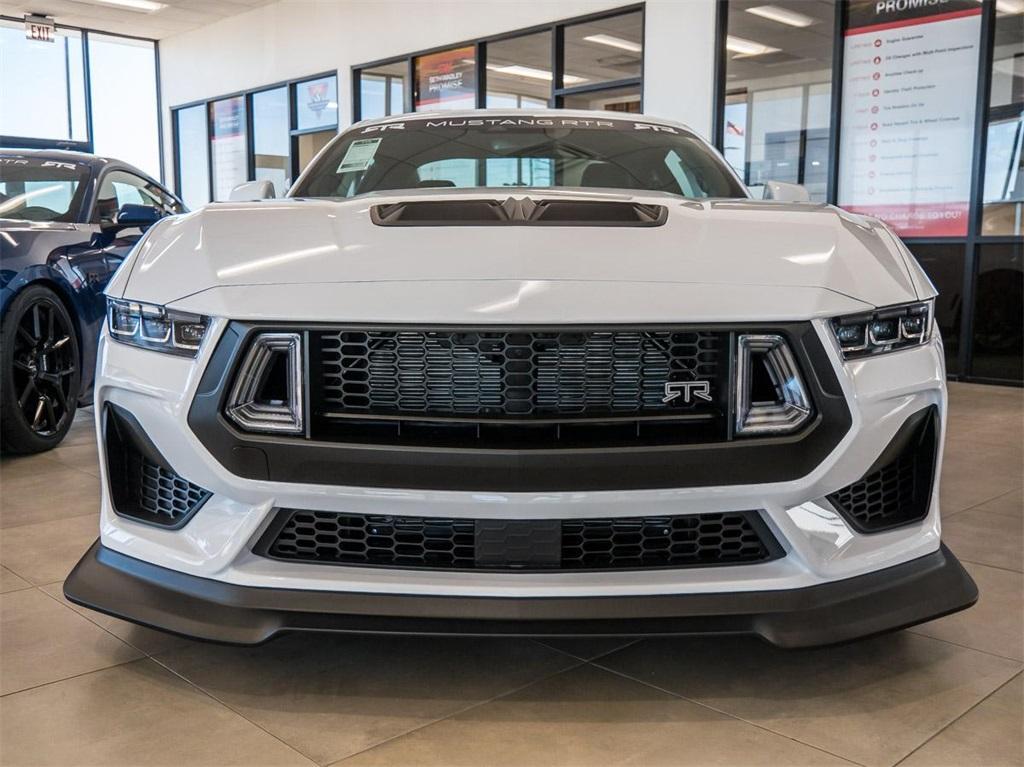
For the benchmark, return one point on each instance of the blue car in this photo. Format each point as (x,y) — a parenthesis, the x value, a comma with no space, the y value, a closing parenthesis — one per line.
(67,220)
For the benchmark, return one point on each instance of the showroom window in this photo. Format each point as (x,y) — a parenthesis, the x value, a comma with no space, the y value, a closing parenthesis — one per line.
(228,162)
(519,72)
(383,90)
(1003,196)
(270,127)
(70,93)
(778,92)
(592,62)
(269,133)
(43,87)
(127,130)
(192,151)
(819,93)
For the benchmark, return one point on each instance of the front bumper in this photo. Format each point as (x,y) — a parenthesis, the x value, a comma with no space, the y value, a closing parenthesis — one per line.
(831,583)
(885,600)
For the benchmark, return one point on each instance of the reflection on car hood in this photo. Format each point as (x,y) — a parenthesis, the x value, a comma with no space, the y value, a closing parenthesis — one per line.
(712,243)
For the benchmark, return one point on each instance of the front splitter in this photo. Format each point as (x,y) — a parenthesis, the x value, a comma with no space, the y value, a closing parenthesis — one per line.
(840,611)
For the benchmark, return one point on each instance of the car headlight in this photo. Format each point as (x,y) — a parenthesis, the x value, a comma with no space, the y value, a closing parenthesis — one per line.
(884,330)
(155,327)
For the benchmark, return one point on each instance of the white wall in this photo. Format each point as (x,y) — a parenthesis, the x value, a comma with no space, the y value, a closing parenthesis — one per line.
(295,38)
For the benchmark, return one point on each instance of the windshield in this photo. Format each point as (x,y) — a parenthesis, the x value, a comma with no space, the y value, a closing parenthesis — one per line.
(41,190)
(511,151)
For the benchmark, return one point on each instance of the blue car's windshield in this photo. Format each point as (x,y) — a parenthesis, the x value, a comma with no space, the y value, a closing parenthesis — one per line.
(519,151)
(41,190)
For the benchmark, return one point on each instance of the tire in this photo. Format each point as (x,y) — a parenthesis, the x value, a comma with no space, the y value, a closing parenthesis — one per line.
(39,372)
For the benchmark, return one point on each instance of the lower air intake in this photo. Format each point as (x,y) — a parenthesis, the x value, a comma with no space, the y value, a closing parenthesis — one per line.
(143,486)
(696,540)
(897,489)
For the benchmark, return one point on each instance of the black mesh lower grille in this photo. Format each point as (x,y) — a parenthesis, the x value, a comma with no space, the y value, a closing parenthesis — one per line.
(897,488)
(141,487)
(465,544)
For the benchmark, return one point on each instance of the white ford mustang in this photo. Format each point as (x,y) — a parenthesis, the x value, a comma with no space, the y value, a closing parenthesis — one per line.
(534,373)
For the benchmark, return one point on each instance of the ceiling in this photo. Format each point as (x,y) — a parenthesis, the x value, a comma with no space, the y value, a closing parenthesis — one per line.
(179,15)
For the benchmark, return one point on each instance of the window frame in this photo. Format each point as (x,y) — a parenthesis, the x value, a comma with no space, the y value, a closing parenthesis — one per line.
(294,132)
(558,92)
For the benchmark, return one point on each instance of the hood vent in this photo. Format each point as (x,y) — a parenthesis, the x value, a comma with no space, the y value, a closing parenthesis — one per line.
(518,212)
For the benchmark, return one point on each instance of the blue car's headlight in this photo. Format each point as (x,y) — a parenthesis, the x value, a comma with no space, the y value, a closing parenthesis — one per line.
(155,327)
(884,330)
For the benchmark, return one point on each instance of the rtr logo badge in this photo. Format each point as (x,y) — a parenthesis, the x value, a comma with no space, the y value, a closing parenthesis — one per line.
(688,390)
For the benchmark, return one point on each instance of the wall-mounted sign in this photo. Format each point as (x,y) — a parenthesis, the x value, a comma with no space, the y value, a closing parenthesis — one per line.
(446,80)
(40,28)
(910,78)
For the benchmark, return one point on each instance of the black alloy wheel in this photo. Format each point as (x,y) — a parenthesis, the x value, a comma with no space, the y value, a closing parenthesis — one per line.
(40,372)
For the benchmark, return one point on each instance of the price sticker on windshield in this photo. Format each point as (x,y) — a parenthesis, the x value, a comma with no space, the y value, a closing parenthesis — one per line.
(359,155)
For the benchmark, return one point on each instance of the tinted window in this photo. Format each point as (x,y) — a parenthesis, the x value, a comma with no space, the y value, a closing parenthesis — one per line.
(944,265)
(998,313)
(606,50)
(519,152)
(41,190)
(519,72)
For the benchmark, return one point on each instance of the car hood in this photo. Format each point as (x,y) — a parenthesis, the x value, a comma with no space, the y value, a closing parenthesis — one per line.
(713,243)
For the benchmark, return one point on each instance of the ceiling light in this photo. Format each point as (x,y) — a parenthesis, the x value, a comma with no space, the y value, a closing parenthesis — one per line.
(145,6)
(615,42)
(514,70)
(745,47)
(781,15)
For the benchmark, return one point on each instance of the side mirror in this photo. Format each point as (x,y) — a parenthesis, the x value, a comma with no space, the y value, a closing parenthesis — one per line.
(131,216)
(251,191)
(785,192)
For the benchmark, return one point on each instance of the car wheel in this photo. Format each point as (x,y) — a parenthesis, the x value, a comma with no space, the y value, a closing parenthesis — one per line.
(39,369)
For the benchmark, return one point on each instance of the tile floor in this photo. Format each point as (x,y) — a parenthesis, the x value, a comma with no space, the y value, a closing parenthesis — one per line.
(80,688)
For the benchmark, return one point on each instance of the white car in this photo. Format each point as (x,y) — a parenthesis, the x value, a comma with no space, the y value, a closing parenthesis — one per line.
(531,373)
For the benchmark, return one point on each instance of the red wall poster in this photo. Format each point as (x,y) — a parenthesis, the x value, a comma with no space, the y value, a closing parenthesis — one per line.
(910,78)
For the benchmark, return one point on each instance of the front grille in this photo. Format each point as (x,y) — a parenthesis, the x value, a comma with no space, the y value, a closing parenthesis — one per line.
(140,487)
(897,488)
(700,540)
(516,386)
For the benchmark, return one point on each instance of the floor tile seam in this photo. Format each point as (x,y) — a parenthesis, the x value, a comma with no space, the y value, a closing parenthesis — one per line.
(728,714)
(950,724)
(202,690)
(464,709)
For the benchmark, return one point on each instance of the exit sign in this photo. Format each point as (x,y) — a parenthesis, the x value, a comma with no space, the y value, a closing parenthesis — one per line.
(39,28)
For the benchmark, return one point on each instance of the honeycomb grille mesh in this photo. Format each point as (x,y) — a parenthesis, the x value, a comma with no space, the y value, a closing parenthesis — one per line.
(160,493)
(498,373)
(896,493)
(142,489)
(586,544)
(374,540)
(703,539)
